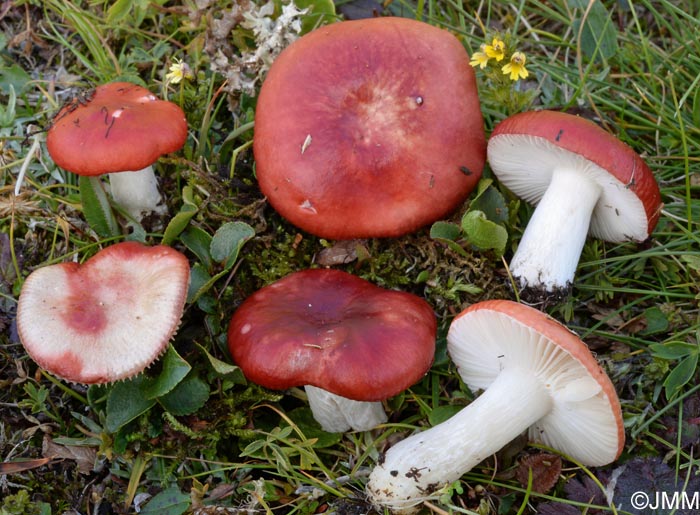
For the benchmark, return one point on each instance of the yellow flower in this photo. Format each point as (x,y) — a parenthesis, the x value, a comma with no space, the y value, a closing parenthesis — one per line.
(480,59)
(497,49)
(178,71)
(516,67)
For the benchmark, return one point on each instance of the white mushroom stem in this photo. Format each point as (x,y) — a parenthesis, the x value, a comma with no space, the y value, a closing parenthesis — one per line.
(338,414)
(414,469)
(549,251)
(137,192)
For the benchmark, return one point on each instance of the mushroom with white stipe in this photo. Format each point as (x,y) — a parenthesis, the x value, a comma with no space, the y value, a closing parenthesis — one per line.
(583,180)
(538,377)
(350,343)
(120,129)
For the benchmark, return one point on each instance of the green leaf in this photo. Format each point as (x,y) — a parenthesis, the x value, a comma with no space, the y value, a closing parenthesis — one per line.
(201,282)
(174,369)
(673,350)
(442,413)
(446,233)
(170,501)
(599,35)
(680,375)
(320,12)
(492,204)
(483,233)
(199,277)
(656,321)
(13,77)
(198,241)
(178,223)
(118,11)
(252,448)
(692,260)
(228,240)
(187,397)
(482,186)
(182,218)
(96,208)
(223,369)
(8,114)
(126,402)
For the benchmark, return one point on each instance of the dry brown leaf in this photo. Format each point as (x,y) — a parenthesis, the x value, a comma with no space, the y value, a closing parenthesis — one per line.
(545,471)
(84,456)
(15,467)
(340,253)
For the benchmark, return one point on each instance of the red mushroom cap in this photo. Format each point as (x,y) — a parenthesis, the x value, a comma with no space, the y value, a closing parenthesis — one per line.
(106,319)
(369,128)
(120,127)
(583,138)
(335,331)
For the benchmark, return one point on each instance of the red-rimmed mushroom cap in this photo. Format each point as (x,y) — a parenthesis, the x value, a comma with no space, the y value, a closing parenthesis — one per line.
(369,128)
(106,319)
(536,376)
(585,421)
(119,127)
(335,331)
(524,150)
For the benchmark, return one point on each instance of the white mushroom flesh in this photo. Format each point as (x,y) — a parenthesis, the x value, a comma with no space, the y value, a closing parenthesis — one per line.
(137,192)
(338,414)
(415,469)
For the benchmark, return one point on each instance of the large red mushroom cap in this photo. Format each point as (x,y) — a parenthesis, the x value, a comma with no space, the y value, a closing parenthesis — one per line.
(369,128)
(336,331)
(106,319)
(119,127)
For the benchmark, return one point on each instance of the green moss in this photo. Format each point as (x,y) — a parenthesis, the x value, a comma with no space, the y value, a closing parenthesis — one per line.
(21,504)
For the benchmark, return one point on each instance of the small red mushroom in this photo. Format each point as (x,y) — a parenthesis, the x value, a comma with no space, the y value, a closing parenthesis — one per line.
(351,343)
(369,128)
(106,319)
(120,129)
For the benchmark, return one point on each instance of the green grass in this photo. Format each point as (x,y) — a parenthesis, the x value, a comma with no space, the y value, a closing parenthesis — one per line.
(245,447)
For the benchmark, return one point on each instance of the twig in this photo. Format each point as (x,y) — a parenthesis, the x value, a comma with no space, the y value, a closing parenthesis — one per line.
(23,170)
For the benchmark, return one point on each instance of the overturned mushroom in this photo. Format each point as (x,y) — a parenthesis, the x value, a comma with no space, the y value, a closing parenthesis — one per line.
(583,179)
(106,319)
(537,376)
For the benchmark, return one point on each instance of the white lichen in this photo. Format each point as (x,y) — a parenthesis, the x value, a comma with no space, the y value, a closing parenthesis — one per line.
(246,70)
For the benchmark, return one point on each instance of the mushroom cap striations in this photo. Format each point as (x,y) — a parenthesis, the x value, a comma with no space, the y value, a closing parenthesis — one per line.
(585,421)
(106,319)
